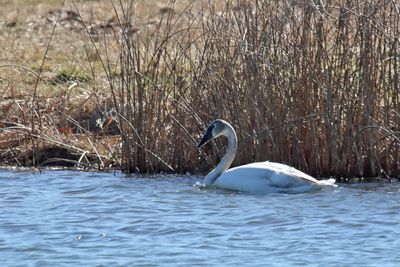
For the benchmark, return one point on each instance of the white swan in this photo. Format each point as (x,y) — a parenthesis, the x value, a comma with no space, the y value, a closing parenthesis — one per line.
(258,178)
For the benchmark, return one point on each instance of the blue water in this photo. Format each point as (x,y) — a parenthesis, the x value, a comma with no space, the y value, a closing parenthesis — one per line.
(65,218)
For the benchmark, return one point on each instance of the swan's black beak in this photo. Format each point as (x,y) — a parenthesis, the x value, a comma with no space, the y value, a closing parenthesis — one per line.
(206,137)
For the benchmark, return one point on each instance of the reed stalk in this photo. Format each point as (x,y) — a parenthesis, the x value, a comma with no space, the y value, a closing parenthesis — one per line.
(312,84)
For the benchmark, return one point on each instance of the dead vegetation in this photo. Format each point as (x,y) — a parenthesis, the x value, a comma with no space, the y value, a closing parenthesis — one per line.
(313,84)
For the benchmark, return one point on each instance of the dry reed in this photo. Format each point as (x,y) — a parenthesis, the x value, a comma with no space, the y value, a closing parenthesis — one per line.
(313,84)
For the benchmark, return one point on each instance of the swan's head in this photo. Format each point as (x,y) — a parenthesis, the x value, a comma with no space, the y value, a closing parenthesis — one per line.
(215,129)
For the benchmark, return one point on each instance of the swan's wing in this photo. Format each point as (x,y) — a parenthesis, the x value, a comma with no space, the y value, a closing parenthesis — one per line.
(286,176)
(264,177)
(293,176)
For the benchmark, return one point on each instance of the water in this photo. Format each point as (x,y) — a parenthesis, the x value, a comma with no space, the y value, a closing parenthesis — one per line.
(65,218)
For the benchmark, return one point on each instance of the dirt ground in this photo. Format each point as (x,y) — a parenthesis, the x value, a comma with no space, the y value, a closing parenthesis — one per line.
(54,98)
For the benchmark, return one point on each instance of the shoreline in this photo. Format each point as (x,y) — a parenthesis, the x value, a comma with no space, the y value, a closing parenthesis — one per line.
(40,170)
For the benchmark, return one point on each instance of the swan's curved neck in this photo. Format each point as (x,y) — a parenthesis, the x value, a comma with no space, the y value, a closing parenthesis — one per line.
(227,159)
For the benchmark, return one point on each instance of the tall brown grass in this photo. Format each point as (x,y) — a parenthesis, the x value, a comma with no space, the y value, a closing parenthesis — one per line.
(313,84)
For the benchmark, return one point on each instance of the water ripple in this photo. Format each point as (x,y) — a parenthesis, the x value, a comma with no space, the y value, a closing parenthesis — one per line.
(63,218)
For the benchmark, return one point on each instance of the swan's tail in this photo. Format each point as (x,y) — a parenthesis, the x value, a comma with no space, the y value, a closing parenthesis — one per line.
(328,182)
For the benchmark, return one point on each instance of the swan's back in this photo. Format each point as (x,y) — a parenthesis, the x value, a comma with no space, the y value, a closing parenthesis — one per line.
(268,177)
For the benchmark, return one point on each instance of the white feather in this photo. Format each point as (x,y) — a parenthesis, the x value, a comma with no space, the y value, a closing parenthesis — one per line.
(269,177)
(260,177)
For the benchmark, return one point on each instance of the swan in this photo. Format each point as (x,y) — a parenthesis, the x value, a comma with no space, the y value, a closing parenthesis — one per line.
(259,177)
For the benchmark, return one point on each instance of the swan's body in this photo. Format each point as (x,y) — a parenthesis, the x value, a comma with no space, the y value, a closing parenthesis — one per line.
(259,177)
